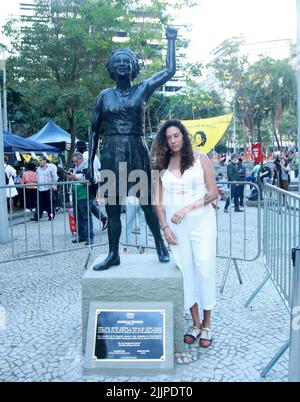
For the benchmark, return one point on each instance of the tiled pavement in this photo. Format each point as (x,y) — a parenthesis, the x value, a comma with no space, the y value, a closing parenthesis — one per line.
(40,322)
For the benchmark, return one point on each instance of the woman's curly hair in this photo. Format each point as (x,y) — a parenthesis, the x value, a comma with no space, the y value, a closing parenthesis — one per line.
(161,153)
(134,61)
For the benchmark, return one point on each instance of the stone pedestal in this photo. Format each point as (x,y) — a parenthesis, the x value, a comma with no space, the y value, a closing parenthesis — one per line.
(139,278)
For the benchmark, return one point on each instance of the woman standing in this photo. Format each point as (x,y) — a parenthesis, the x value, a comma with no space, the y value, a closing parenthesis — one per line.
(30,177)
(184,194)
(284,175)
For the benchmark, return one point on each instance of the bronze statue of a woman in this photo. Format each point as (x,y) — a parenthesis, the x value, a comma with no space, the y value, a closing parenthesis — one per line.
(119,115)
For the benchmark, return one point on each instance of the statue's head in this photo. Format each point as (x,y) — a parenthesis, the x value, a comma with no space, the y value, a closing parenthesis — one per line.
(124,54)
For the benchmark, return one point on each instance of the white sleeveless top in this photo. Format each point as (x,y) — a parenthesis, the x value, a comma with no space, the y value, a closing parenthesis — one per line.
(178,192)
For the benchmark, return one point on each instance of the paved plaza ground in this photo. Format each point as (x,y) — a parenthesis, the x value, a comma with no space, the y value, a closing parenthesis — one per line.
(40,301)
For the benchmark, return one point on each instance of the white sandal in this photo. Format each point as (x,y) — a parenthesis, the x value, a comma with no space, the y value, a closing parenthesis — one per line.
(192,335)
(205,338)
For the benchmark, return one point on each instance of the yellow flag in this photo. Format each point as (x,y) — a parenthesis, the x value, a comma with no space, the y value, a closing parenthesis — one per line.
(26,157)
(206,133)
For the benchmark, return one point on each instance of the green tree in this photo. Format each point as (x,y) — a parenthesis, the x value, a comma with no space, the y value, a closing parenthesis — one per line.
(260,90)
(230,68)
(59,63)
(288,125)
(190,105)
(252,98)
(59,57)
(283,96)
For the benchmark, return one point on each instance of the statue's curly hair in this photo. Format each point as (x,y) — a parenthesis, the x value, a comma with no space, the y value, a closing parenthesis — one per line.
(161,153)
(134,60)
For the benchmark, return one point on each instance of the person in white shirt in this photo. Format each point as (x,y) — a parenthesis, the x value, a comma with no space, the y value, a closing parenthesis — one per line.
(11,192)
(46,175)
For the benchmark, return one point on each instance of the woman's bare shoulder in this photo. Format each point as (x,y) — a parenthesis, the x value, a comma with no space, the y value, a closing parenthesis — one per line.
(200,156)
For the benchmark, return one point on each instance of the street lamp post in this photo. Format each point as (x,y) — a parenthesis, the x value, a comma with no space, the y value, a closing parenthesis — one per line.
(4,100)
(4,237)
(3,68)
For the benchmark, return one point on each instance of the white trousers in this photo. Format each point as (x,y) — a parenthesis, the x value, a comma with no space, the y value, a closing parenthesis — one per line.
(195,255)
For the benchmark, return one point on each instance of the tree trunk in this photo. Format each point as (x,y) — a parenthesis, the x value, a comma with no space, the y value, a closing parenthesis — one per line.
(275,123)
(276,137)
(259,139)
(250,125)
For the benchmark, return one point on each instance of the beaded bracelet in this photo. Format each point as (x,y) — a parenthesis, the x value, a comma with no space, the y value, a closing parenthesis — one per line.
(163,229)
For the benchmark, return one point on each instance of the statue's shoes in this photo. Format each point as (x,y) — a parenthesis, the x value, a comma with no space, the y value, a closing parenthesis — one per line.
(164,257)
(162,252)
(110,261)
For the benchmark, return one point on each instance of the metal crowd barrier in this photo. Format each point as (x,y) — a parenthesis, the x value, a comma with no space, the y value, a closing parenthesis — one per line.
(35,239)
(31,239)
(281,234)
(238,247)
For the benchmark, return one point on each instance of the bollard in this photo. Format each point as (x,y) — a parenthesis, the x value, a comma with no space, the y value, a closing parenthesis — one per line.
(294,360)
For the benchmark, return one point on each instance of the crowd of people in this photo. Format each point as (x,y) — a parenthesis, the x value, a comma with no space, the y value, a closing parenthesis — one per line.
(47,198)
(42,193)
(38,196)
(276,172)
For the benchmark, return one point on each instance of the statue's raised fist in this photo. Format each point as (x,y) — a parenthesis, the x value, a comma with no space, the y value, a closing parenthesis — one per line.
(171,33)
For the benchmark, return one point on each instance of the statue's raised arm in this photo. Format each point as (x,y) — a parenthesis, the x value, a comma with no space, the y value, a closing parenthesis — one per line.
(119,115)
(165,75)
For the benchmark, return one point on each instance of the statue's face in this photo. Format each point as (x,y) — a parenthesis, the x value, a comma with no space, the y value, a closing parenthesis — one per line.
(122,65)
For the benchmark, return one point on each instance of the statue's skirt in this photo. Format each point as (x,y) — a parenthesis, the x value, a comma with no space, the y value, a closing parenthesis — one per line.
(127,157)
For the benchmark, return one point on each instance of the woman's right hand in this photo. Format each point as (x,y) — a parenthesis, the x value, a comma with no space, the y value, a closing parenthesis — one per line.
(170,236)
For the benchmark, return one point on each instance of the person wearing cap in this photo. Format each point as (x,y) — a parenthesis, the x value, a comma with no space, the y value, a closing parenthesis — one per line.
(233,175)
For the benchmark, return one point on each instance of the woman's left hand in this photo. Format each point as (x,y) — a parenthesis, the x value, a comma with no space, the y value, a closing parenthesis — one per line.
(179,215)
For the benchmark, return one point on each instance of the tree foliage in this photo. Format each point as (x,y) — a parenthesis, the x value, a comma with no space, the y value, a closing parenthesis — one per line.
(192,104)
(261,90)
(59,60)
